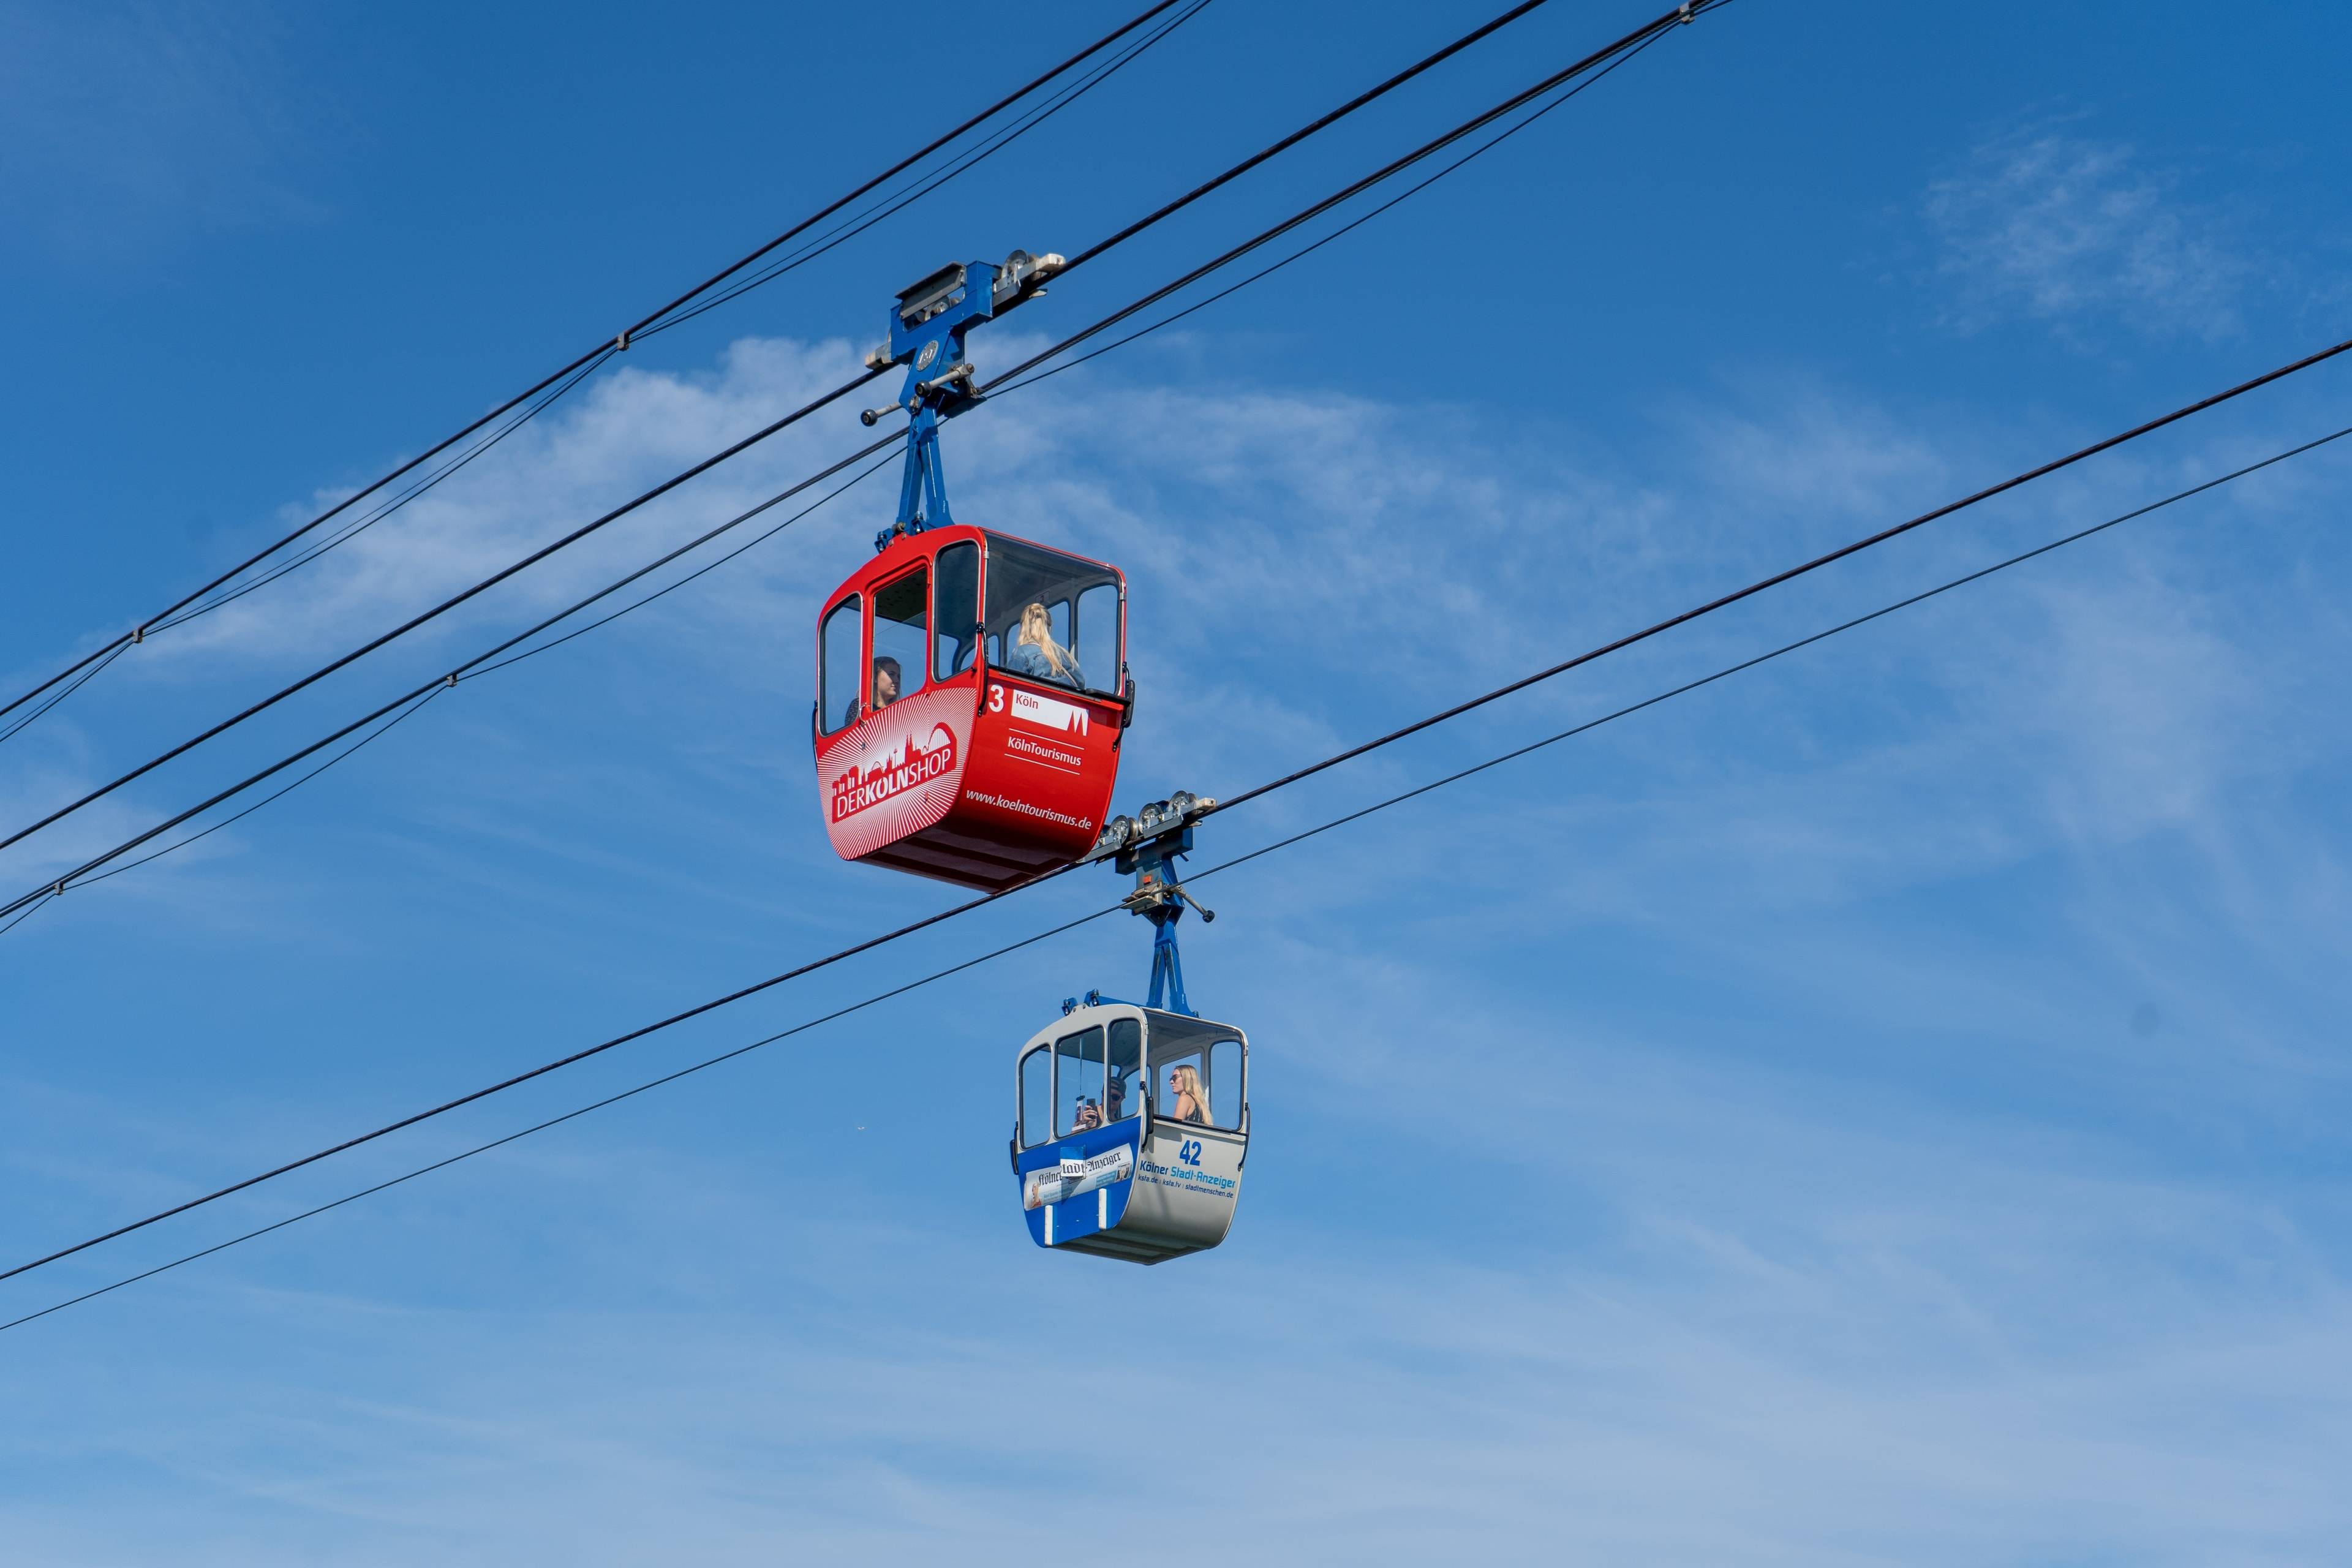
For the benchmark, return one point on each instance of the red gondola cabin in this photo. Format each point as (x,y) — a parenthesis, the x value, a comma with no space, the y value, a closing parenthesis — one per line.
(972,692)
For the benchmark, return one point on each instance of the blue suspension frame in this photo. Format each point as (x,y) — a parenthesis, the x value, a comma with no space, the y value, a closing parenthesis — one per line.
(927,332)
(1160,899)
(1147,847)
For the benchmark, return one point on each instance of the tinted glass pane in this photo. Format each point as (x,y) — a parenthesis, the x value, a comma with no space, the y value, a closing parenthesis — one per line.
(902,618)
(1094,639)
(1127,1085)
(1078,1095)
(1199,1084)
(1030,592)
(955,602)
(1179,1083)
(1225,1083)
(838,696)
(1037,1097)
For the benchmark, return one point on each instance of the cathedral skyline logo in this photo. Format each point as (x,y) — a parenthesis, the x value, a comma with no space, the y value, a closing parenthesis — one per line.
(911,767)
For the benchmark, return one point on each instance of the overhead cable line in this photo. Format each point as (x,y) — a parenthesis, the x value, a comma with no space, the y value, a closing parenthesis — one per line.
(446,605)
(1279,845)
(1377,91)
(588,360)
(830,239)
(57,885)
(653,322)
(71,687)
(391,504)
(409,702)
(1246,796)
(1633,41)
(998,386)
(279,794)
(668,588)
(80,875)
(1790,574)
(916,190)
(558,1121)
(1348,227)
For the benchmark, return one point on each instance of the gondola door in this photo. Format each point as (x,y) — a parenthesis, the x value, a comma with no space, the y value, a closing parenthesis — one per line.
(892,737)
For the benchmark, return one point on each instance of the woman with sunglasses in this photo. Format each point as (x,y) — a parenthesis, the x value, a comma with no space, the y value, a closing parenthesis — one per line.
(1192,1100)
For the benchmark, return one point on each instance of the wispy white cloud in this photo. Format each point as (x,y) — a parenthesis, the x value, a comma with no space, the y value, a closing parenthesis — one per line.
(2050,225)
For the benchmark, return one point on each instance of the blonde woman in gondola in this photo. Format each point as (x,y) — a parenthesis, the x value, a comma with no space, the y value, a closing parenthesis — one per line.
(1191,1102)
(1036,653)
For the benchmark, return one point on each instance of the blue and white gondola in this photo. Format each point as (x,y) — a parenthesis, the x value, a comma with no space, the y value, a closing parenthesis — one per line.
(1104,1164)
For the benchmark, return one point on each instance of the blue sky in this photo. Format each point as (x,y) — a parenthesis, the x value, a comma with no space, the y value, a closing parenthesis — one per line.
(1885,1107)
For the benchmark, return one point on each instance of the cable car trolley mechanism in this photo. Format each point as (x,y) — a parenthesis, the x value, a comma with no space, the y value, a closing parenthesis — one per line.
(971,686)
(1132,1123)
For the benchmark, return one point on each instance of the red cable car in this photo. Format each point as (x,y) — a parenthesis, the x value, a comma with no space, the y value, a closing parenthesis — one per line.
(971,686)
(971,693)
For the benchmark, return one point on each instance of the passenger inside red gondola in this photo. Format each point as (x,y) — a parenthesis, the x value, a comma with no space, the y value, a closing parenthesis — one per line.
(1047,611)
(1038,655)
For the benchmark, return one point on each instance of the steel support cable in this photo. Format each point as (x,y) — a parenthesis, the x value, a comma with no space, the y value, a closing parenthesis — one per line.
(60,885)
(1684,13)
(74,877)
(1669,19)
(1766,658)
(70,688)
(567,1116)
(833,238)
(1378,90)
(998,390)
(1631,43)
(1261,852)
(1312,128)
(921,187)
(969,904)
(668,588)
(1348,227)
(377,514)
(28,909)
(418,696)
(1776,579)
(401,717)
(621,341)
(541,1071)
(1624,47)
(1984,494)
(533,558)
(42,900)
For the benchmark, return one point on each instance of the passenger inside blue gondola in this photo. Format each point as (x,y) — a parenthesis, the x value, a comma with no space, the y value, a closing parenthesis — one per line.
(1036,654)
(1191,1101)
(1109,1108)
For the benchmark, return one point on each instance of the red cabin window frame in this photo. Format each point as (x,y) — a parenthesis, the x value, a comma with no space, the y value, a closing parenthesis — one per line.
(921,674)
(828,702)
